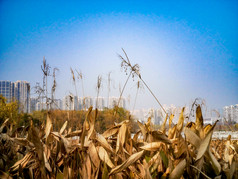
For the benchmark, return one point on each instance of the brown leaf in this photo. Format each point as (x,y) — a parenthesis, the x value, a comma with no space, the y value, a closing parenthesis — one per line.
(92,151)
(205,143)
(88,167)
(199,121)
(48,126)
(170,120)
(121,137)
(215,164)
(160,136)
(22,141)
(178,170)
(47,165)
(63,127)
(4,175)
(153,146)
(66,143)
(180,121)
(39,148)
(132,159)
(191,137)
(164,124)
(74,133)
(172,132)
(104,157)
(110,132)
(22,162)
(143,130)
(104,142)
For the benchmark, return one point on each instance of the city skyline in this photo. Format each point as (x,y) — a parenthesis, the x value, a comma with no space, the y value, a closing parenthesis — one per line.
(130,104)
(20,91)
(185,50)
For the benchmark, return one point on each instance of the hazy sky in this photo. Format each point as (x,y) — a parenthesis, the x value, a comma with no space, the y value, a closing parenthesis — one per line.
(185,49)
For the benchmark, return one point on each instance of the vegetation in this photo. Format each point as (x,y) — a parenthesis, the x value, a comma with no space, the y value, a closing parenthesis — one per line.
(109,143)
(43,152)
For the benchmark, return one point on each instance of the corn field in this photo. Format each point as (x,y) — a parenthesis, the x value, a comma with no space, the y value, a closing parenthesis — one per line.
(116,153)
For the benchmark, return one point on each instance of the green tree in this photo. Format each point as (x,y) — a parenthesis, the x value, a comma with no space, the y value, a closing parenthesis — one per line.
(8,110)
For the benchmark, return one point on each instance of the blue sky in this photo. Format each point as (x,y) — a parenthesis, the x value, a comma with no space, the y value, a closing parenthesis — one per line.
(185,49)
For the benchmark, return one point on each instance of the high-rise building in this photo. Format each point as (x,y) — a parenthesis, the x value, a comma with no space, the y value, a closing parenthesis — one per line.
(70,102)
(22,95)
(113,101)
(7,90)
(100,102)
(88,102)
(19,90)
(230,113)
(34,101)
(57,104)
(40,106)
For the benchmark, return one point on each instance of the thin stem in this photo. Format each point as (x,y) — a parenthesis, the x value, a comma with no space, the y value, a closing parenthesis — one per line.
(84,106)
(123,88)
(201,172)
(97,99)
(153,95)
(135,100)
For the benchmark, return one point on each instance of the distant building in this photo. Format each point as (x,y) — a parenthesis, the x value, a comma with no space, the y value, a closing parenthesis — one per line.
(70,102)
(22,95)
(40,106)
(19,90)
(33,102)
(100,104)
(88,102)
(57,104)
(230,113)
(7,90)
(113,101)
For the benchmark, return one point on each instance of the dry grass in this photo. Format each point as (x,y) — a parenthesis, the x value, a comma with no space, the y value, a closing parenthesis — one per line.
(84,153)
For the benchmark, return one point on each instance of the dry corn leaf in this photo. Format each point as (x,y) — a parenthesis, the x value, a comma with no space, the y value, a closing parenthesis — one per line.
(74,133)
(63,127)
(172,132)
(180,121)
(143,130)
(91,132)
(47,165)
(191,137)
(153,146)
(22,141)
(207,128)
(160,136)
(205,143)
(199,121)
(215,164)
(110,132)
(132,159)
(39,148)
(48,126)
(4,175)
(92,151)
(66,143)
(170,120)
(121,137)
(178,170)
(103,155)
(154,158)
(147,171)
(89,167)
(104,142)
(164,123)
(23,161)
